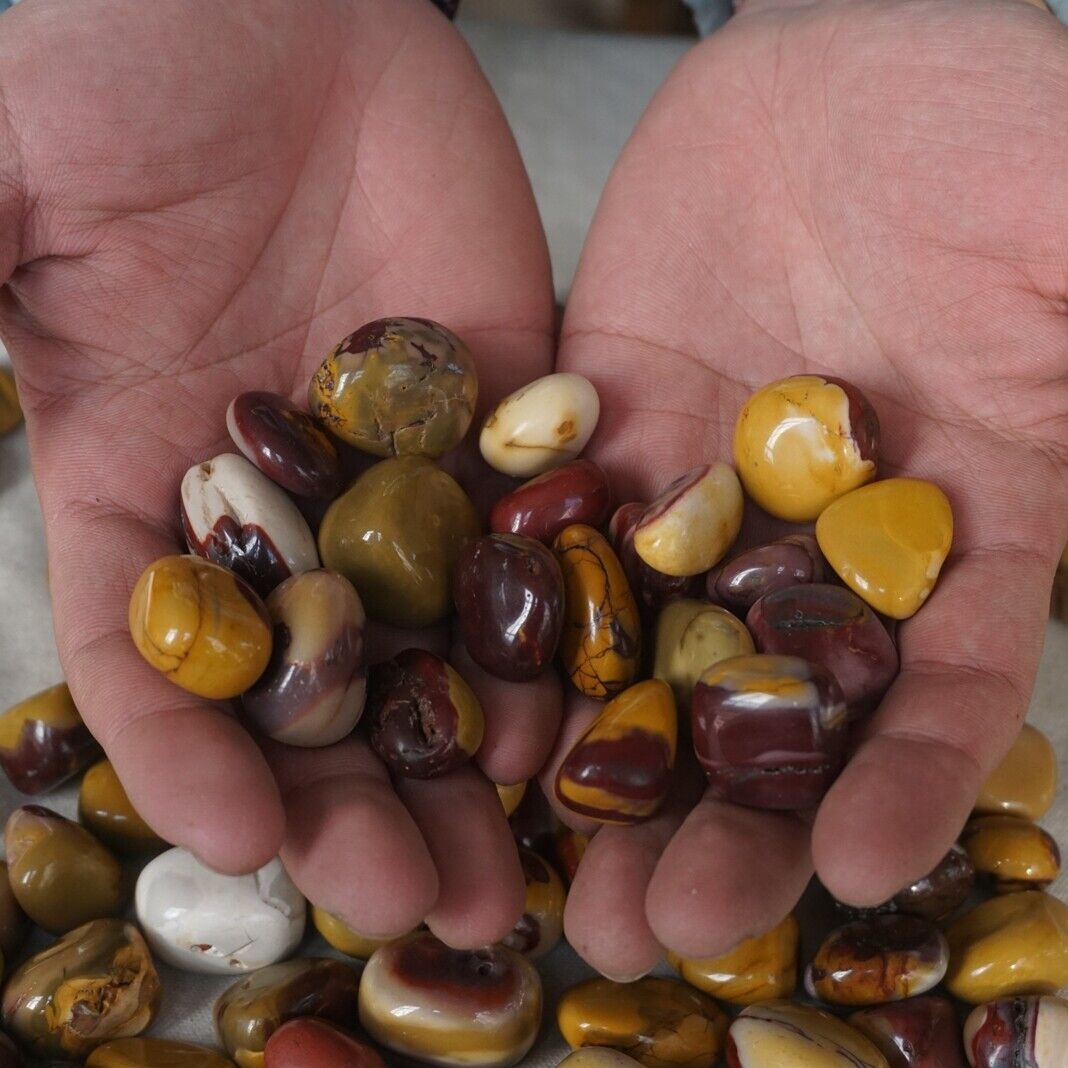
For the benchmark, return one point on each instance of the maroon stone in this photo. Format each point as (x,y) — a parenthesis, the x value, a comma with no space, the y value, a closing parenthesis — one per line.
(795,560)
(917,1033)
(578,492)
(423,961)
(247,551)
(47,756)
(863,422)
(311,1043)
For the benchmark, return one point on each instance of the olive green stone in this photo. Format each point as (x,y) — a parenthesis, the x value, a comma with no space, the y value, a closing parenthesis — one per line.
(395,534)
(155,1053)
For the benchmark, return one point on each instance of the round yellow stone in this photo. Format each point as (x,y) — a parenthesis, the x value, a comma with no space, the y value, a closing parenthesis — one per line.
(1025,781)
(343,938)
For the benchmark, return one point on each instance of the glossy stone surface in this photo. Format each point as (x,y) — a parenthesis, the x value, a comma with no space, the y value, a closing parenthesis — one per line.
(659,1022)
(201,626)
(343,938)
(43,741)
(542,425)
(598,1057)
(14,924)
(1025,782)
(1012,944)
(509,594)
(396,534)
(250,1011)
(397,387)
(917,1033)
(620,770)
(95,984)
(419,998)
(312,1043)
(234,515)
(1022,1032)
(578,492)
(600,646)
(199,920)
(104,809)
(795,560)
(691,637)
(155,1053)
(693,523)
(763,968)
(10,408)
(314,688)
(1013,854)
(888,541)
(60,874)
(872,961)
(285,443)
(570,849)
(941,891)
(511,796)
(769,731)
(832,627)
(780,1033)
(542,924)
(802,442)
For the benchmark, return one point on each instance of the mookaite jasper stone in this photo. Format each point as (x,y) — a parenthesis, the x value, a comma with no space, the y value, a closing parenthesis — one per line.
(1025,782)
(421,999)
(570,849)
(598,1057)
(509,595)
(888,541)
(201,626)
(343,938)
(941,891)
(10,408)
(14,925)
(770,731)
(620,770)
(795,560)
(578,492)
(105,809)
(96,983)
(1023,1032)
(396,534)
(600,645)
(1013,944)
(312,1043)
(542,923)
(652,589)
(759,969)
(397,387)
(43,741)
(872,961)
(659,1022)
(916,1033)
(802,442)
(1014,854)
(780,1033)
(155,1053)
(691,637)
(511,796)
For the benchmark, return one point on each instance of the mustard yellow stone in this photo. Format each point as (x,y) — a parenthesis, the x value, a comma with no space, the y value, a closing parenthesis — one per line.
(1016,854)
(1058,605)
(888,541)
(343,938)
(105,809)
(1025,782)
(759,969)
(155,1053)
(511,796)
(10,409)
(1009,945)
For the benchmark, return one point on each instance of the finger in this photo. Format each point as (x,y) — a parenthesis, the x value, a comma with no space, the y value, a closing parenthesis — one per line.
(481,883)
(351,846)
(579,713)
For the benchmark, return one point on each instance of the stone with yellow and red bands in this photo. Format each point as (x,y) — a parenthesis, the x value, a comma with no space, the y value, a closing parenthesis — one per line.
(917,1033)
(541,926)
(1020,1032)
(578,492)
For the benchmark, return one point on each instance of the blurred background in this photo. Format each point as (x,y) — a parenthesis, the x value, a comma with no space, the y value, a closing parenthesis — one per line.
(627,16)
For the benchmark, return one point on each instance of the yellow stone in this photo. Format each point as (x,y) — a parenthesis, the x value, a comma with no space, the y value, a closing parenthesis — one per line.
(511,796)
(10,409)
(343,938)
(1025,782)
(1016,854)
(888,541)
(154,1053)
(105,809)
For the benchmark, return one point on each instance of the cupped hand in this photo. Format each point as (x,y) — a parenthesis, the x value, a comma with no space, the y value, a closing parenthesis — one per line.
(875,191)
(197,200)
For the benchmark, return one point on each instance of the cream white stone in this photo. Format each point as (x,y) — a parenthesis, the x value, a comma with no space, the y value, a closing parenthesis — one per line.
(1047,1029)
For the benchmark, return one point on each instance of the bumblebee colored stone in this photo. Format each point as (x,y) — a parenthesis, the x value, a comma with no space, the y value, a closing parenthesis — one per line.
(1021,1032)
(578,492)
(43,741)
(888,541)
(941,891)
(252,1010)
(60,874)
(795,560)
(105,809)
(155,1053)
(620,770)
(200,920)
(759,969)
(691,637)
(775,1034)
(511,796)
(1013,854)
(10,408)
(872,961)
(421,999)
(285,443)
(598,1057)
(600,646)
(95,984)
(917,1033)
(201,626)
(311,1043)
(693,523)
(313,690)
(234,515)
(14,924)
(832,627)
(1025,782)
(397,387)
(659,1022)
(1009,945)
(424,719)
(396,534)
(769,731)
(801,442)
(542,924)
(343,938)
(652,589)
(509,594)
(570,849)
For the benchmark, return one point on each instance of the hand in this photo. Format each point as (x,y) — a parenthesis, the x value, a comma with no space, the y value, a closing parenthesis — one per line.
(875,191)
(197,200)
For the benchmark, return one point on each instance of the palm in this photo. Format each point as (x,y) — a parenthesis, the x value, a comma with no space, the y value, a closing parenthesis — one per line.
(877,192)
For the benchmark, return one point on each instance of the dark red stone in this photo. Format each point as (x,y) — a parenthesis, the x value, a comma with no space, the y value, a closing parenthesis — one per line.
(247,550)
(916,1033)
(578,492)
(47,756)
(863,422)
(310,1043)
(424,961)
(795,560)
